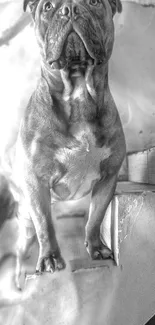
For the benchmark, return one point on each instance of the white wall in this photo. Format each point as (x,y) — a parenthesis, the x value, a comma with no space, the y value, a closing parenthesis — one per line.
(132,74)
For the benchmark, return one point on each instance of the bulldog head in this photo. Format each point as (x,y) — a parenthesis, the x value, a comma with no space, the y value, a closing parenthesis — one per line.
(74,32)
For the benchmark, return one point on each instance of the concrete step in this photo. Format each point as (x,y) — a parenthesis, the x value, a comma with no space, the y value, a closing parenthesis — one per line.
(130,200)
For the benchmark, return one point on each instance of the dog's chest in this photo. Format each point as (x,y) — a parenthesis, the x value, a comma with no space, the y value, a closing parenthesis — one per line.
(79,167)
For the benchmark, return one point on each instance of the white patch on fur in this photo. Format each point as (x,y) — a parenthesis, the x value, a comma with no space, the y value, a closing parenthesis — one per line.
(34,144)
(91,91)
(33,147)
(79,88)
(78,93)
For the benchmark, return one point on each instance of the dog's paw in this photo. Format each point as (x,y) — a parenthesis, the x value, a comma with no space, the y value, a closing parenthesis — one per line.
(50,263)
(97,250)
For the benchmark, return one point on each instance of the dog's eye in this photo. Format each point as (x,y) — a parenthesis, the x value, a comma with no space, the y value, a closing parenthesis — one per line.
(47,6)
(95,2)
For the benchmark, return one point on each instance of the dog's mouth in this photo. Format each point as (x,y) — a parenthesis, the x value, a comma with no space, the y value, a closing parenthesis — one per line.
(74,56)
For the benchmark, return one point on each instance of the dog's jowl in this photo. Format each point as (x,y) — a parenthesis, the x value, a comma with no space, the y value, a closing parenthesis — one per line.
(71,141)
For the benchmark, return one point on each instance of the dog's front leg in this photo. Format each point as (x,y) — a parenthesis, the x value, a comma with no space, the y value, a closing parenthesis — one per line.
(101,196)
(40,209)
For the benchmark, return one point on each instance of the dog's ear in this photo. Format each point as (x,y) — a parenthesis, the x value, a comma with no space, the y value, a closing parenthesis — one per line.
(115,6)
(32,5)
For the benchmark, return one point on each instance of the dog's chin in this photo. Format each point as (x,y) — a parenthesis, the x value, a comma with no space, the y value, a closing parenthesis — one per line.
(75,66)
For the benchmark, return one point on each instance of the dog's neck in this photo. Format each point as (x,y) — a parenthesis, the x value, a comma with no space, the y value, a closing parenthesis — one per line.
(85,92)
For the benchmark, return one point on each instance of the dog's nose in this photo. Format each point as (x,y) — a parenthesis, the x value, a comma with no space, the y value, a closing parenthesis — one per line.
(70,11)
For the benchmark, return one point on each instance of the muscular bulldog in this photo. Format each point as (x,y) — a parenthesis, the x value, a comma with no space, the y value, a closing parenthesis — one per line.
(71,141)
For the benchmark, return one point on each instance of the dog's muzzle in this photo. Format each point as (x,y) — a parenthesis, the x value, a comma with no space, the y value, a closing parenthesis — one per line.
(74,52)
(74,56)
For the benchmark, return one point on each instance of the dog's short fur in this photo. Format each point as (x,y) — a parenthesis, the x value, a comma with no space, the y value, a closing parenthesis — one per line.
(71,141)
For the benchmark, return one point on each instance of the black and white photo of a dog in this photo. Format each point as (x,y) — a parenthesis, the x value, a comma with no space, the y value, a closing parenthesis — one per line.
(71,141)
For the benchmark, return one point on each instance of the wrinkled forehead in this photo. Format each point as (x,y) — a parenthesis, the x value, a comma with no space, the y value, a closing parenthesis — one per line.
(94,6)
(61,2)
(85,4)
(58,3)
